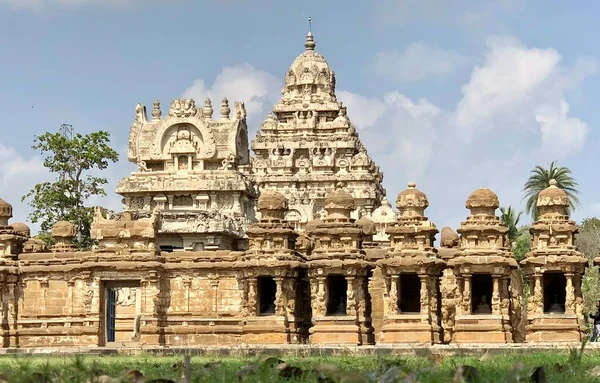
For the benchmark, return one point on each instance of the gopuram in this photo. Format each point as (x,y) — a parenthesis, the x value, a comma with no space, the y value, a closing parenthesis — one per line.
(297,245)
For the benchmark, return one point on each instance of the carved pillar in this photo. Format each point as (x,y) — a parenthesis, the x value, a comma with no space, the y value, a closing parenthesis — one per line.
(189,163)
(424,295)
(505,298)
(44,283)
(320,297)
(147,202)
(176,162)
(252,310)
(350,296)
(236,203)
(570,295)
(496,294)
(466,295)
(539,294)
(170,201)
(279,297)
(433,298)
(214,284)
(213,201)
(393,294)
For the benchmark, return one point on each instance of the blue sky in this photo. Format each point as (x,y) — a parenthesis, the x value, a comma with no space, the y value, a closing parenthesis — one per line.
(454,95)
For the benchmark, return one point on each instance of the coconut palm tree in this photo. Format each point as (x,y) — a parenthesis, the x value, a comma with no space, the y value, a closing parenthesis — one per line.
(511,219)
(540,179)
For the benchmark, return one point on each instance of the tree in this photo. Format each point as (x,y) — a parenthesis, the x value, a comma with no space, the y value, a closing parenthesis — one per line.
(522,244)
(511,219)
(540,179)
(71,161)
(588,242)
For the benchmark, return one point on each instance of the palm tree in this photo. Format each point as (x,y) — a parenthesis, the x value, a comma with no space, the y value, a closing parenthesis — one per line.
(540,179)
(511,219)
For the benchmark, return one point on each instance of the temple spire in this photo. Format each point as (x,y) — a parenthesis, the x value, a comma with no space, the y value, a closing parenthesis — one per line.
(310,43)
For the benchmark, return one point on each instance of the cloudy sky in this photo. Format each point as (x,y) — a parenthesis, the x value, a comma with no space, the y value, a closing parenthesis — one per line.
(453,94)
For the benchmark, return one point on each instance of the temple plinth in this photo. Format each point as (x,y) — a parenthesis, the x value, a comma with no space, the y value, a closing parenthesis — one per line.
(554,269)
(411,270)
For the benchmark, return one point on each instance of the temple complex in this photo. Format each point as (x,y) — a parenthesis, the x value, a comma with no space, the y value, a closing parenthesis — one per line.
(308,144)
(295,245)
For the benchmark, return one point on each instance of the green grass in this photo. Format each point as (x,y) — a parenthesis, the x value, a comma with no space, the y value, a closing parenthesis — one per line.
(559,367)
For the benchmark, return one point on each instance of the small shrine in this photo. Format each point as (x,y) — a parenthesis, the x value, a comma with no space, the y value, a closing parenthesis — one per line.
(411,270)
(554,269)
(481,270)
(272,277)
(338,271)
(189,171)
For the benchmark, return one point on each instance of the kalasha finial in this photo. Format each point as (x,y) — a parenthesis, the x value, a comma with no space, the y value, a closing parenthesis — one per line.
(412,185)
(553,182)
(310,42)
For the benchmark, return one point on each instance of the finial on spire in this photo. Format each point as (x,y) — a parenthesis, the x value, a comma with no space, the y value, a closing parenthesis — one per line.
(310,42)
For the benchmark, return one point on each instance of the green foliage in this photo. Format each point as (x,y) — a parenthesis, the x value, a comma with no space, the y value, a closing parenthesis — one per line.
(70,160)
(590,288)
(588,238)
(540,179)
(522,244)
(511,219)
(507,366)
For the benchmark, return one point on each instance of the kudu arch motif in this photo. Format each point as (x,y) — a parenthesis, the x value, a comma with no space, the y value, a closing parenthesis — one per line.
(297,244)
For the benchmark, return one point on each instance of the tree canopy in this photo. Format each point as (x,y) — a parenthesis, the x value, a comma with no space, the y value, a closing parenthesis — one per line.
(539,180)
(511,219)
(71,161)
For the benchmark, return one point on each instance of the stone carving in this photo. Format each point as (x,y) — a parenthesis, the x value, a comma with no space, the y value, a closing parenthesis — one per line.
(183,108)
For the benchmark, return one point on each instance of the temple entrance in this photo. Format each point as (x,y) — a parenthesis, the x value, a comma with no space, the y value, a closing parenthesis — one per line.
(410,293)
(337,287)
(121,311)
(481,296)
(266,295)
(555,293)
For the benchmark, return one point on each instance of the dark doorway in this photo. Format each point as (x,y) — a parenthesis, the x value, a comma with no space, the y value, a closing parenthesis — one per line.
(481,294)
(111,303)
(266,295)
(410,293)
(555,294)
(336,300)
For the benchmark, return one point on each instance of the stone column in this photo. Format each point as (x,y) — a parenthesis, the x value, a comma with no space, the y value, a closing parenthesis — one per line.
(495,294)
(252,281)
(433,298)
(70,284)
(213,201)
(214,283)
(236,203)
(570,295)
(187,283)
(350,296)
(466,295)
(393,294)
(279,297)
(189,163)
(319,304)
(539,294)
(424,295)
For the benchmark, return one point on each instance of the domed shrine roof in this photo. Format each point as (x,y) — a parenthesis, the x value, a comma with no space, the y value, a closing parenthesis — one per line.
(272,200)
(553,195)
(21,229)
(412,197)
(5,209)
(483,197)
(339,199)
(63,229)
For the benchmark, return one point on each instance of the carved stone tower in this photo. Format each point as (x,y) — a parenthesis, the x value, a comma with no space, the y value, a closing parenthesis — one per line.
(338,276)
(554,268)
(411,270)
(188,171)
(270,277)
(482,269)
(309,144)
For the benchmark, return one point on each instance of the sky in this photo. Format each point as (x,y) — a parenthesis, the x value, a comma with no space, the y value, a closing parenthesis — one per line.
(451,94)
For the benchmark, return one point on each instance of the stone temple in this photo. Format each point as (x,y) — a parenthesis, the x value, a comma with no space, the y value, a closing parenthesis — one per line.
(295,244)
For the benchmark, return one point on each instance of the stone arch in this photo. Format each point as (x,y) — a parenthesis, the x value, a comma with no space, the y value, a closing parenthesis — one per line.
(170,125)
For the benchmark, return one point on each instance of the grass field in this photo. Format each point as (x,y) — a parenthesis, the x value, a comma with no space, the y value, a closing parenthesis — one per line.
(558,366)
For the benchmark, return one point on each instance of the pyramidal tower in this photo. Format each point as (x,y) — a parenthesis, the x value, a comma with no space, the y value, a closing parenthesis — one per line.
(307,145)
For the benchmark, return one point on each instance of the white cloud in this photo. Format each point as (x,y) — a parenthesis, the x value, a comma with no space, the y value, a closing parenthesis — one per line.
(418,61)
(595,208)
(518,90)
(258,90)
(18,175)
